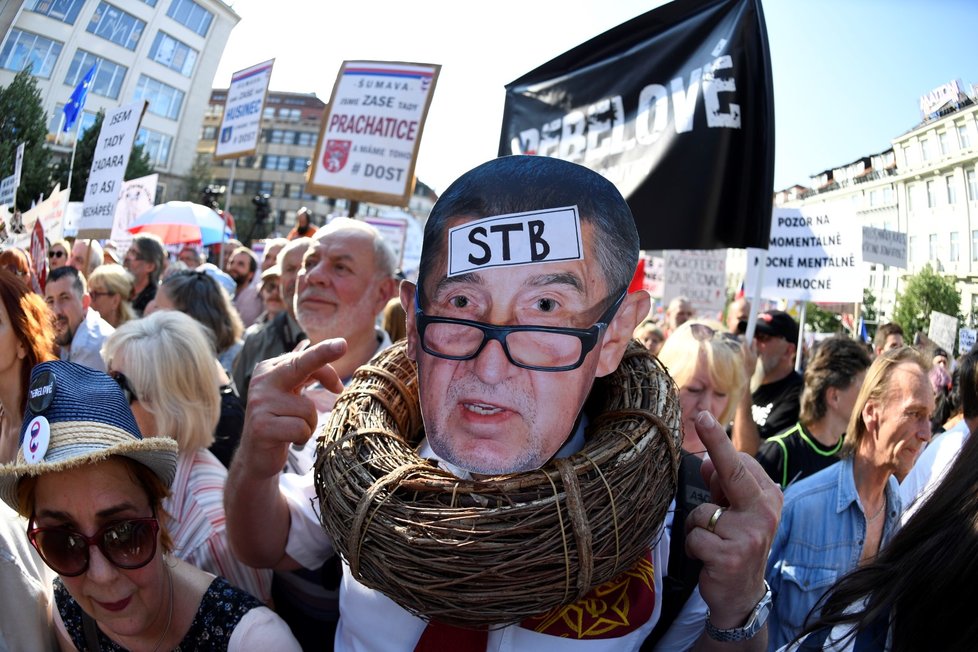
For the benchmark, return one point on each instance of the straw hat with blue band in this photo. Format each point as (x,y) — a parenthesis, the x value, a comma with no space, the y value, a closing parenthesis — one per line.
(75,416)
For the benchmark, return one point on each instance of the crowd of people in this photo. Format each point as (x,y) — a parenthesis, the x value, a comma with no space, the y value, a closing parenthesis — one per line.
(159,420)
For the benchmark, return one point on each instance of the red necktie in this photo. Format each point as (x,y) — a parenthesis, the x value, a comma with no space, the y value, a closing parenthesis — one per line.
(441,637)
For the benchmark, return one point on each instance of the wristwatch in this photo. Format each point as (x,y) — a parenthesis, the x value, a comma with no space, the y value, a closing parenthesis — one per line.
(753,625)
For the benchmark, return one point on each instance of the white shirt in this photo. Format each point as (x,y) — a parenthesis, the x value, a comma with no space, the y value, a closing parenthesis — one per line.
(86,344)
(371,621)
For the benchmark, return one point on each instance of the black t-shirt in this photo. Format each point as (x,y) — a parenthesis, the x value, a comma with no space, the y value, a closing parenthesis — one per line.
(795,454)
(775,406)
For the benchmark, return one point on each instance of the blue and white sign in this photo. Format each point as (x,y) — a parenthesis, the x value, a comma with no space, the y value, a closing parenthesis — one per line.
(243,108)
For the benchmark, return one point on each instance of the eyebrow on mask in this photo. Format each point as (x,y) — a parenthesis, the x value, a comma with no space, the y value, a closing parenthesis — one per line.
(562,278)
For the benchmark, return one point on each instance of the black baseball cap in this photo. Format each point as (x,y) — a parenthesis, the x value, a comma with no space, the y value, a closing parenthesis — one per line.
(776,323)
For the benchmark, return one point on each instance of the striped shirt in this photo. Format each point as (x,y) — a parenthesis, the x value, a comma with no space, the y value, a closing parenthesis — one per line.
(197,523)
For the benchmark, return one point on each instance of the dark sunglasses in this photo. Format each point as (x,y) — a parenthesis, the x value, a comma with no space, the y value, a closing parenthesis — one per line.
(56,254)
(124,385)
(128,544)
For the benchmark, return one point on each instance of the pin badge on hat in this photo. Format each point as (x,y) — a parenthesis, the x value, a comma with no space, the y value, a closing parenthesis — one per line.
(36,440)
(41,393)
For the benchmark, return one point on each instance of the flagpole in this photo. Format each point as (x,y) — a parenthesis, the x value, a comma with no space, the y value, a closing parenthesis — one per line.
(227,204)
(61,124)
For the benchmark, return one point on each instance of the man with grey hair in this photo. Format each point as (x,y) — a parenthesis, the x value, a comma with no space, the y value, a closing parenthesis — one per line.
(79,330)
(145,260)
(86,249)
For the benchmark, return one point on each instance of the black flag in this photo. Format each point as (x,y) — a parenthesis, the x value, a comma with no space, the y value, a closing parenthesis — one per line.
(676,108)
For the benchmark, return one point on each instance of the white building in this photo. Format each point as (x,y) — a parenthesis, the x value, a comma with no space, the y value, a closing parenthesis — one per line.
(925,186)
(164,51)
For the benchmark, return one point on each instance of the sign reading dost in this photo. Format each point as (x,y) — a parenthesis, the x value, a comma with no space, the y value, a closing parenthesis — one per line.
(371,131)
(813,255)
(543,236)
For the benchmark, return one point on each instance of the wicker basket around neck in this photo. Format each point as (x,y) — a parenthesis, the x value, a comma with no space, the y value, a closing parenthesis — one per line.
(479,553)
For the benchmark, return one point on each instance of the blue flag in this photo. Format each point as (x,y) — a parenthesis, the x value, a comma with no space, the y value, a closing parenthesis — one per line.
(75,103)
(863,333)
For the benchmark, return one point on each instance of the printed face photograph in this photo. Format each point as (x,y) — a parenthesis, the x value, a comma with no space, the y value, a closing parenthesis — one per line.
(487,414)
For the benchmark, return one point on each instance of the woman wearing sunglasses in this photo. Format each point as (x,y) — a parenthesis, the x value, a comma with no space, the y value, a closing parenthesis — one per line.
(165,365)
(58,254)
(92,489)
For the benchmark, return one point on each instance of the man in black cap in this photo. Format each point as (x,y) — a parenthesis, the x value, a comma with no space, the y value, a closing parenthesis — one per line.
(776,403)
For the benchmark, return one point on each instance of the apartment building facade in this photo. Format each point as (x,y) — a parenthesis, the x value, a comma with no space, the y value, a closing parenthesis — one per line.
(163,51)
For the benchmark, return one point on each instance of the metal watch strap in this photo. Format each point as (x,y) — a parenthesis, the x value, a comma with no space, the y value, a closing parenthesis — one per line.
(755,621)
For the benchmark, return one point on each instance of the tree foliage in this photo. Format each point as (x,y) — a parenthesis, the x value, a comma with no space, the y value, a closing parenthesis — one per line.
(821,320)
(138,166)
(924,292)
(22,120)
(869,313)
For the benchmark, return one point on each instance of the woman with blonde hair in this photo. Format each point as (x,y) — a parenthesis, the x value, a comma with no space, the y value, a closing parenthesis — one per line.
(166,365)
(709,368)
(110,287)
(58,253)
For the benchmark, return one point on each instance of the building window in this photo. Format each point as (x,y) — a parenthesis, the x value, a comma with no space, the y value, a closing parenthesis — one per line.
(873,197)
(907,157)
(300,164)
(268,113)
(266,188)
(945,144)
(289,115)
(64,10)
(932,246)
(151,3)
(27,50)
(949,183)
(974,245)
(954,252)
(156,146)
(108,75)
(208,133)
(191,15)
(163,99)
(293,190)
(912,248)
(173,54)
(273,162)
(305,138)
(887,195)
(54,124)
(886,280)
(972,185)
(910,190)
(277,136)
(113,24)
(963,139)
(931,198)
(925,149)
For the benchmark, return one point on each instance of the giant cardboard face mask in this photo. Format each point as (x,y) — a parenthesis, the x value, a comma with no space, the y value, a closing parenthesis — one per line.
(515,401)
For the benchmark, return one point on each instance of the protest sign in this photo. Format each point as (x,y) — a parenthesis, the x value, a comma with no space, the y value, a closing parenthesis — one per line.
(394,230)
(966,340)
(137,197)
(885,247)
(654,274)
(943,330)
(108,167)
(684,87)
(39,254)
(8,187)
(813,255)
(50,214)
(243,107)
(371,131)
(698,275)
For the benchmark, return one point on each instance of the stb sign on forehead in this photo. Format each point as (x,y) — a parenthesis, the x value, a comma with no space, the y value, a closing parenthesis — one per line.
(544,236)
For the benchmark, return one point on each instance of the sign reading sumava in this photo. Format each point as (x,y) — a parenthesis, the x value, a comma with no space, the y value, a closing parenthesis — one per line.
(544,236)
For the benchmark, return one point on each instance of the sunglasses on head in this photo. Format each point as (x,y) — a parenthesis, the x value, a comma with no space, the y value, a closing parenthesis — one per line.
(704,333)
(56,253)
(128,544)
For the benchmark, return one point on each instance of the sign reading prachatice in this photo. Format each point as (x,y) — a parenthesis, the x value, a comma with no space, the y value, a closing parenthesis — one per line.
(543,236)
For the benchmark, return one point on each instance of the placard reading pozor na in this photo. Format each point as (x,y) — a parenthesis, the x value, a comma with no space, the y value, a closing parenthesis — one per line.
(814,254)
(371,130)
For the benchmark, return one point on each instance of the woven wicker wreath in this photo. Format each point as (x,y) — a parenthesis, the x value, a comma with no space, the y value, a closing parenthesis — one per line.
(495,551)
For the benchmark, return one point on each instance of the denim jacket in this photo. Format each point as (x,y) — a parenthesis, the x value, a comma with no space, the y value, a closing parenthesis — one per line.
(820,538)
